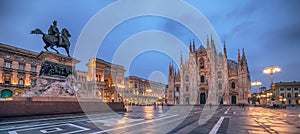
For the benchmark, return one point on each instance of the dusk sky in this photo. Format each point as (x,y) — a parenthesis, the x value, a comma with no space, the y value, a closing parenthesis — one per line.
(268,30)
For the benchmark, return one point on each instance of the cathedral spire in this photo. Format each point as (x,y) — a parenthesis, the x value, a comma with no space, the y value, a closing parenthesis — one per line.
(170,69)
(181,61)
(239,58)
(244,60)
(194,48)
(212,42)
(225,51)
(207,42)
(191,49)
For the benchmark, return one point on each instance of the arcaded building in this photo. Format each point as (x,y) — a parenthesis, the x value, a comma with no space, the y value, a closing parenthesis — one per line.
(209,77)
(106,78)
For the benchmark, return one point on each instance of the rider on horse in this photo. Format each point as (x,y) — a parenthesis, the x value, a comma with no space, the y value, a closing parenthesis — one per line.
(55,38)
(53,30)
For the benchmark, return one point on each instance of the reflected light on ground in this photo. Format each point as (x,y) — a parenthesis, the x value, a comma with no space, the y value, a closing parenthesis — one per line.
(148,110)
(122,121)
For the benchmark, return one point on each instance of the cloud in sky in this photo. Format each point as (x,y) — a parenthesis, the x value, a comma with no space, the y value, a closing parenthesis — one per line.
(268,30)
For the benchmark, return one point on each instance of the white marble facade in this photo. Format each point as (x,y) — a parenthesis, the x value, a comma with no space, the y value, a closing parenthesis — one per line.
(208,77)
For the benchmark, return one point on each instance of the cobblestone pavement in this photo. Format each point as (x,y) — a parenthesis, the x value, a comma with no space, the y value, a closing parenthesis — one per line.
(176,119)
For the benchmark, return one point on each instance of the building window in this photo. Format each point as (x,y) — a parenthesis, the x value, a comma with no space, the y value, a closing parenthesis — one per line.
(289,95)
(186,78)
(201,62)
(33,82)
(177,89)
(232,85)
(21,66)
(219,74)
(187,88)
(295,89)
(135,84)
(220,86)
(288,89)
(281,89)
(130,84)
(187,100)
(6,80)
(282,94)
(202,78)
(296,95)
(8,64)
(21,82)
(33,68)
(99,77)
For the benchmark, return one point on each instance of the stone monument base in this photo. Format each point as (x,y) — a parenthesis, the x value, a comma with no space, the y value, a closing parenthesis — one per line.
(29,106)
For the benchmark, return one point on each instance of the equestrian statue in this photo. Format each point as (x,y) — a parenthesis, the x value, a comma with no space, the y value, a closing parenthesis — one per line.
(55,38)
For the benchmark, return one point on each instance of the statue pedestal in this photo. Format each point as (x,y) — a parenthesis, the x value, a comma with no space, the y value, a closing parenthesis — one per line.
(55,69)
(55,65)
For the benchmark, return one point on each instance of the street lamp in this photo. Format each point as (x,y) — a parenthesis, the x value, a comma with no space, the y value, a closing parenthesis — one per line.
(271,71)
(256,83)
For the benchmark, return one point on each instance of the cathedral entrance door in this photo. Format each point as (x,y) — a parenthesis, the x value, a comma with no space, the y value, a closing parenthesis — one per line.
(202,98)
(177,100)
(233,99)
(220,100)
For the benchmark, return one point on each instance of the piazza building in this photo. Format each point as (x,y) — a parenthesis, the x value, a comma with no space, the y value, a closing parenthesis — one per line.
(18,70)
(287,92)
(140,91)
(209,77)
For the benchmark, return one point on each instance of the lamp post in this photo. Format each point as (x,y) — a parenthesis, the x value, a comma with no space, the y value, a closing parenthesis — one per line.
(256,83)
(271,71)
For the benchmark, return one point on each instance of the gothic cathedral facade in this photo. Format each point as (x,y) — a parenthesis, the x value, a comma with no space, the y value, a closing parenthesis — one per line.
(208,77)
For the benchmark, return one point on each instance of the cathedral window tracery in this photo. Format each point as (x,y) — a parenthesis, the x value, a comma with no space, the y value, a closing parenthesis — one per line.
(201,62)
(187,88)
(219,74)
(232,85)
(186,78)
(220,86)
(202,78)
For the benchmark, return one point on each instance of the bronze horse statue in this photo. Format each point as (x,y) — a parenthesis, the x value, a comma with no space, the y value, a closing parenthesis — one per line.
(52,41)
